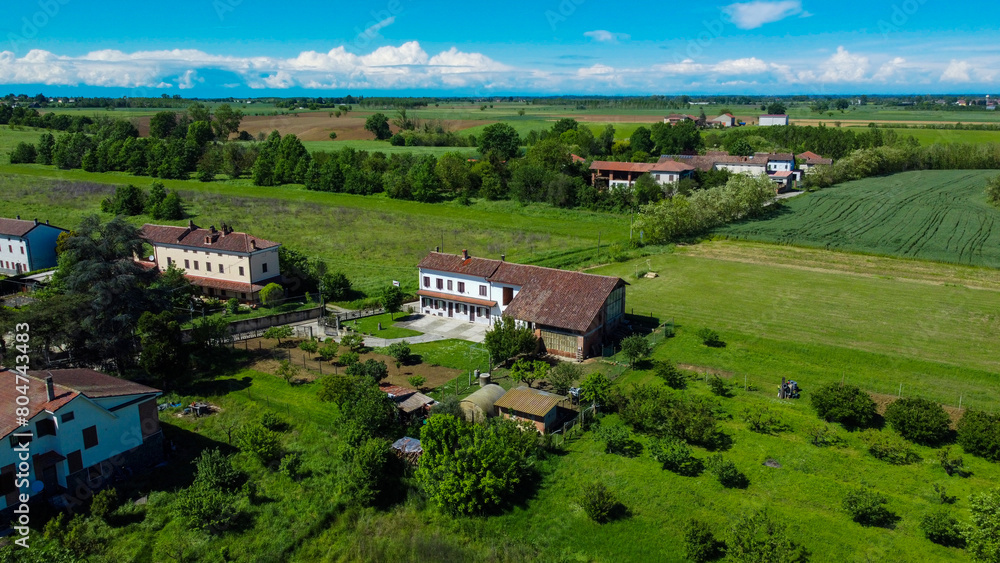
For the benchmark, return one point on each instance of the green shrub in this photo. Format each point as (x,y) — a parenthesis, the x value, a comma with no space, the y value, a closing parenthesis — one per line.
(942,528)
(919,420)
(291,465)
(213,510)
(983,536)
(354,341)
(417,381)
(868,508)
(719,386)
(761,420)
(710,338)
(700,544)
(214,470)
(889,447)
(979,434)
(233,306)
(310,346)
(105,502)
(675,456)
(943,496)
(598,502)
(23,153)
(846,404)
(259,442)
(618,440)
(952,465)
(992,188)
(563,375)
(662,412)
(635,348)
(375,369)
(334,388)
(271,421)
(670,375)
(328,352)
(348,359)
(759,536)
(822,435)
(727,473)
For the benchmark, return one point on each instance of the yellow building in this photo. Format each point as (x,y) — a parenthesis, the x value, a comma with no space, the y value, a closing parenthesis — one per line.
(222,263)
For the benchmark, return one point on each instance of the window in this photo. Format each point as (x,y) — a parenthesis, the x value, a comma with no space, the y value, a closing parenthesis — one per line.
(75,461)
(243,295)
(482,290)
(11,248)
(7,484)
(427,281)
(89,437)
(16,440)
(169,261)
(220,269)
(440,283)
(263,267)
(208,266)
(187,263)
(195,264)
(461,287)
(45,427)
(68,417)
(449,285)
(22,250)
(241,273)
(94,473)
(479,311)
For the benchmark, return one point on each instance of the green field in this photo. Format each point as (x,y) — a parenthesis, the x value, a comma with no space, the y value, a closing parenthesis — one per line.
(935,215)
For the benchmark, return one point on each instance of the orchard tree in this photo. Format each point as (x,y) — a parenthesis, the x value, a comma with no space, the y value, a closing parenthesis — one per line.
(392,299)
(505,340)
(596,389)
(635,348)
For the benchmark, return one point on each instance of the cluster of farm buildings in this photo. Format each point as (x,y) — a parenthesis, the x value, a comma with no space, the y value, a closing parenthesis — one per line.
(83,425)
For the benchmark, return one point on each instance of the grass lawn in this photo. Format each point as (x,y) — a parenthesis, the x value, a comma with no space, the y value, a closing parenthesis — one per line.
(369,325)
(385,147)
(937,339)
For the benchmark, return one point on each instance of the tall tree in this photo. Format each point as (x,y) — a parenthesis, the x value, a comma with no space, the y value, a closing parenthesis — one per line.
(227,121)
(505,340)
(391,299)
(163,354)
(378,124)
(499,141)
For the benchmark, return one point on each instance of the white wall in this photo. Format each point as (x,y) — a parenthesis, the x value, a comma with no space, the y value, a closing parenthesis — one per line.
(13,253)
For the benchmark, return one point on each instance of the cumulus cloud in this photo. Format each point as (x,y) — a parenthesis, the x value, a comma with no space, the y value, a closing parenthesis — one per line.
(187,80)
(890,70)
(751,15)
(605,36)
(842,66)
(956,71)
(750,65)
(687,66)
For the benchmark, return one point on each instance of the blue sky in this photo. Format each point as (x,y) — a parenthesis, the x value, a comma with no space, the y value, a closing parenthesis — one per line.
(254,48)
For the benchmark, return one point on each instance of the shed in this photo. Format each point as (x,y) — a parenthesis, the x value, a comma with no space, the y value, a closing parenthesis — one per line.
(479,405)
(532,405)
(408,449)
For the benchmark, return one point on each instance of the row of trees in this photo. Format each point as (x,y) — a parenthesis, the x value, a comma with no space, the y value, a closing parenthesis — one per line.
(832,142)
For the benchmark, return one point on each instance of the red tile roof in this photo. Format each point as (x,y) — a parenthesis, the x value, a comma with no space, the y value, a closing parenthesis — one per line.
(92,383)
(37,400)
(548,296)
(783,174)
(808,155)
(671,166)
(194,236)
(610,166)
(16,227)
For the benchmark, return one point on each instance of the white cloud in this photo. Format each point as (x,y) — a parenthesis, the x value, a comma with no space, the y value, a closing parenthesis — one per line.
(751,15)
(957,71)
(605,36)
(374,29)
(750,65)
(890,70)
(187,80)
(842,66)
(687,66)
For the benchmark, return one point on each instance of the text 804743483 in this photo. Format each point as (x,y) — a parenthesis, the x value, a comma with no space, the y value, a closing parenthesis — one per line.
(23,436)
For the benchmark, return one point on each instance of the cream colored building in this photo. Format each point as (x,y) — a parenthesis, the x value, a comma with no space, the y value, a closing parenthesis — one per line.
(221,262)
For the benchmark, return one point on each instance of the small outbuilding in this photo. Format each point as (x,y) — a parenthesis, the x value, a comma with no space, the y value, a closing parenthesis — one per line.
(479,405)
(408,449)
(532,405)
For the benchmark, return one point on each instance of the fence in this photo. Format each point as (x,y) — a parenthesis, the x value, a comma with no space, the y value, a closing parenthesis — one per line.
(295,356)
(561,435)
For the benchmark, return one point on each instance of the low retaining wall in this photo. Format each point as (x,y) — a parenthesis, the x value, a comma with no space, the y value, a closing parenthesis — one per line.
(264,323)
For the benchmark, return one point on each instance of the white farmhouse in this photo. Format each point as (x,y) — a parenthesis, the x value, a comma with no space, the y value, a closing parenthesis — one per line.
(26,246)
(624,174)
(222,263)
(82,426)
(571,312)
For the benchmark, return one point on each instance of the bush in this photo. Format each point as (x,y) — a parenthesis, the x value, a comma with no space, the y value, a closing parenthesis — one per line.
(846,404)
(233,306)
(720,387)
(710,338)
(675,456)
(598,502)
(334,388)
(979,434)
(760,419)
(417,381)
(23,153)
(259,442)
(670,375)
(271,421)
(822,435)
(354,341)
(919,420)
(889,447)
(105,502)
(563,375)
(214,470)
(726,472)
(943,529)
(348,359)
(635,348)
(374,369)
(328,352)
(212,510)
(992,188)
(700,544)
(758,536)
(983,537)
(952,465)
(310,346)
(868,508)
(618,440)
(291,465)
(659,411)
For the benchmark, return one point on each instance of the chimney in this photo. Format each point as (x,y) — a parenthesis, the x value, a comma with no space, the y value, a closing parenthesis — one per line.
(46,221)
(436,248)
(503,257)
(36,220)
(18,217)
(50,389)
(465,254)
(253,244)
(212,229)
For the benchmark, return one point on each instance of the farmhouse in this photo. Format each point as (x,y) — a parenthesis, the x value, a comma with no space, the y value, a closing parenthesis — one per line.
(410,402)
(809,161)
(27,245)
(724,120)
(82,426)
(769,120)
(675,118)
(221,262)
(624,174)
(571,312)
(532,405)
